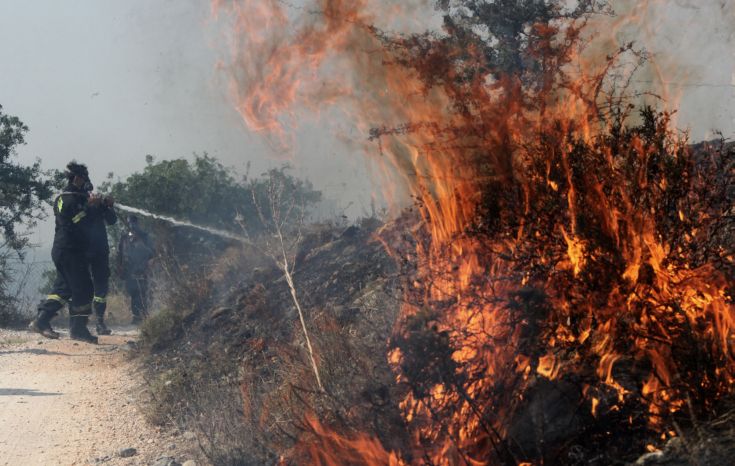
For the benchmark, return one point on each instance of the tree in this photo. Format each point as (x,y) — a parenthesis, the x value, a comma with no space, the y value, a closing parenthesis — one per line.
(486,42)
(23,191)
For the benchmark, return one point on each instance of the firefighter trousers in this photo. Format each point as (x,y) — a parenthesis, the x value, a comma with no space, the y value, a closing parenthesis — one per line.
(61,294)
(99,265)
(58,297)
(137,288)
(72,268)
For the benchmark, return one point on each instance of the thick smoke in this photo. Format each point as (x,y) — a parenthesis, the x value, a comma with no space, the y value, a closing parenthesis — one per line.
(692,58)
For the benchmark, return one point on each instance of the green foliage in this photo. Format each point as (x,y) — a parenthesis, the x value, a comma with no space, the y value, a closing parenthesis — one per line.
(23,191)
(205,192)
(167,391)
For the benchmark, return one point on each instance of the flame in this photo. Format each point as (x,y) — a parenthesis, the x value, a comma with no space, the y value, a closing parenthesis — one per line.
(512,304)
(330,448)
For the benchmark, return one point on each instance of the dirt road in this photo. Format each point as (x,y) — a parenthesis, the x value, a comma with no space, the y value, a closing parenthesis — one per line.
(69,403)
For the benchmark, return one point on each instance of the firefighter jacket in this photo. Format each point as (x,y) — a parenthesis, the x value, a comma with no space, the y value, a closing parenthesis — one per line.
(71,209)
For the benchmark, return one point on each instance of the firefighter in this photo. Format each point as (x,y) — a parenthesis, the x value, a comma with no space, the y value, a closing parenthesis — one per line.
(71,209)
(98,256)
(135,252)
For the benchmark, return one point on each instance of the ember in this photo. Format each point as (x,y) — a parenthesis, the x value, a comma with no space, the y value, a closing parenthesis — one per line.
(569,277)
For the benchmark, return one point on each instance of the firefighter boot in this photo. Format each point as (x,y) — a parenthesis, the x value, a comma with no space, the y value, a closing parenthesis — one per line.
(78,329)
(99,310)
(42,324)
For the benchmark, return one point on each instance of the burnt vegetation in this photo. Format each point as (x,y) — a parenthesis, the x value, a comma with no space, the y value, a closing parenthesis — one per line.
(238,371)
(669,366)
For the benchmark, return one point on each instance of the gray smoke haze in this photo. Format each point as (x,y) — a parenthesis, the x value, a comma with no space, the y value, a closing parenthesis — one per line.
(692,46)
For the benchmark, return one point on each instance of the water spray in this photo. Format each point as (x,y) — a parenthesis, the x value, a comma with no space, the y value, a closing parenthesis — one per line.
(214,231)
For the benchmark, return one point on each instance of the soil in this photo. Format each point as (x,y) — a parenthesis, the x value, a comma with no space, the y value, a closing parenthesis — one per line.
(70,403)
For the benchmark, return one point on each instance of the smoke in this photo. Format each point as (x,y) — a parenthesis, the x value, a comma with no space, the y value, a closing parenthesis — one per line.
(691,66)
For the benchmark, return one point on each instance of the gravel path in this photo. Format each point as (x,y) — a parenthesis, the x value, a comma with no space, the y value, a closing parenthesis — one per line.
(69,403)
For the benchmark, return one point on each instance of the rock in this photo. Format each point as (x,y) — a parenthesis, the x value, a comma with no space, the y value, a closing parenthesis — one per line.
(189,435)
(166,461)
(189,463)
(127,452)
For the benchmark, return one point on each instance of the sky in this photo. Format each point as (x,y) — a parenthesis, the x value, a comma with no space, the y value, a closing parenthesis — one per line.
(109,81)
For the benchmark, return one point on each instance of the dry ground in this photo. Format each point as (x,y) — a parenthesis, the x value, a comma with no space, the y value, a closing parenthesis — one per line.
(69,403)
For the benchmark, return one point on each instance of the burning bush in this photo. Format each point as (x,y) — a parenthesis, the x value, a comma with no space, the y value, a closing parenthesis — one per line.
(602,286)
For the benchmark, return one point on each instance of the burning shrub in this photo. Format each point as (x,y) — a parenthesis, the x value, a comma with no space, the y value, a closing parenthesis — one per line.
(607,282)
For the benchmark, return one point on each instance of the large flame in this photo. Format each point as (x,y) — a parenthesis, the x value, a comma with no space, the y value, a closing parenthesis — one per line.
(530,195)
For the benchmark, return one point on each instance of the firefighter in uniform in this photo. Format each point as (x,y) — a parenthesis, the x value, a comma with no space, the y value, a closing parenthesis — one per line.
(73,281)
(135,252)
(98,256)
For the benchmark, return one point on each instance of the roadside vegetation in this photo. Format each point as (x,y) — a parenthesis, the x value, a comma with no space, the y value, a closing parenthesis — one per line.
(24,192)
